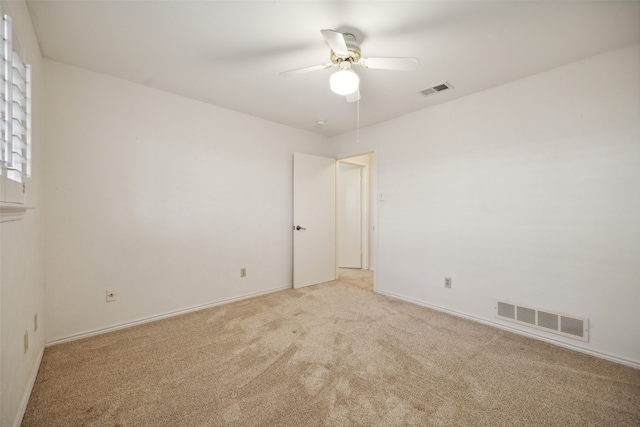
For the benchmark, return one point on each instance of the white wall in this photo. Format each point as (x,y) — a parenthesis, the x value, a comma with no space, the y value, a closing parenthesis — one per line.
(161,198)
(527,192)
(21,255)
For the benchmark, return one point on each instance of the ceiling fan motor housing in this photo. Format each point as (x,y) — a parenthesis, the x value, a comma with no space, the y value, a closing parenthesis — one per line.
(354,51)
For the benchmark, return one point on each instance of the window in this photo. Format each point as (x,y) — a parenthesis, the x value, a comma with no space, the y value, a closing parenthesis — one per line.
(15,112)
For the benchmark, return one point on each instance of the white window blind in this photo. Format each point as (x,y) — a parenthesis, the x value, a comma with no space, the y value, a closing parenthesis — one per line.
(15,109)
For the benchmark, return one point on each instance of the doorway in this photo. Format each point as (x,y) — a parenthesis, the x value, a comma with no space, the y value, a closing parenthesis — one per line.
(350,215)
(355,215)
(316,229)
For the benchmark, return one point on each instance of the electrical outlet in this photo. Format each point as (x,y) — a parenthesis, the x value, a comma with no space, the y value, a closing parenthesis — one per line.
(447,282)
(26,341)
(111,295)
(35,322)
(243,272)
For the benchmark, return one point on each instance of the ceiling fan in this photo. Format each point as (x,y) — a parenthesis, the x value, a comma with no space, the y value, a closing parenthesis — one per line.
(345,52)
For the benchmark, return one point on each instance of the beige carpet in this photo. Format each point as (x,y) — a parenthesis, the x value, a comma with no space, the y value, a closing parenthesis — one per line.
(335,354)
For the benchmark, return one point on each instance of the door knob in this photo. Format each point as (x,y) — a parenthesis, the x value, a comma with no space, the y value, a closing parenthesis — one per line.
(300,228)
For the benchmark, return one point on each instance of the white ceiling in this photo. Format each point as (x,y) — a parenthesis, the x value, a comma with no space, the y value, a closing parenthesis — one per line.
(230,53)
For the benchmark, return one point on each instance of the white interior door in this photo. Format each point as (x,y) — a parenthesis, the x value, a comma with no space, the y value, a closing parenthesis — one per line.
(350,216)
(314,220)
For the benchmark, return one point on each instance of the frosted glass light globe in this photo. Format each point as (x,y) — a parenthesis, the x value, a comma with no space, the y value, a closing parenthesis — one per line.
(344,82)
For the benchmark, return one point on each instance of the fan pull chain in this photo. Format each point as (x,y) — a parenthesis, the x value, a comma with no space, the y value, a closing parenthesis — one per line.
(358,121)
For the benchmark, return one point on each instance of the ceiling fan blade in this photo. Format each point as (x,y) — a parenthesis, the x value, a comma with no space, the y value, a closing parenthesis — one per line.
(336,42)
(400,64)
(304,70)
(355,96)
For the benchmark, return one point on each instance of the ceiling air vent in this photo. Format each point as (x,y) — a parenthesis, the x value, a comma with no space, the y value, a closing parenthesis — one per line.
(436,89)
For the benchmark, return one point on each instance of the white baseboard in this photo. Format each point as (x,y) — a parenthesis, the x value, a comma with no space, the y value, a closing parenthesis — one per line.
(159,317)
(616,359)
(27,393)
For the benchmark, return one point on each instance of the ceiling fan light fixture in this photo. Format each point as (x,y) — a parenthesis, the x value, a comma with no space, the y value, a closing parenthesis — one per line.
(344,82)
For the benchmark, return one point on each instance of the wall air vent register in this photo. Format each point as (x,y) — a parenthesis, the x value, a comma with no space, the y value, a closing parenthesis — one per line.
(557,323)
